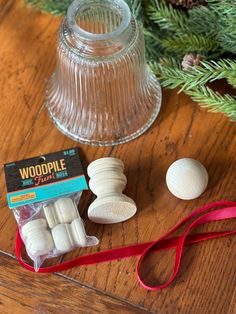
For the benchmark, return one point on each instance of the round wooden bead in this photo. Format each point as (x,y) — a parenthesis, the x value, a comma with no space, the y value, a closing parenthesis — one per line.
(187,178)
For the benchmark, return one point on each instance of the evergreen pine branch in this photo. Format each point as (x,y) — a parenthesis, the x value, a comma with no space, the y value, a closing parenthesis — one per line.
(223,68)
(166,17)
(214,101)
(192,43)
(153,44)
(225,22)
(136,8)
(169,62)
(186,33)
(170,76)
(194,84)
(202,21)
(225,7)
(231,80)
(173,76)
(227,38)
(209,71)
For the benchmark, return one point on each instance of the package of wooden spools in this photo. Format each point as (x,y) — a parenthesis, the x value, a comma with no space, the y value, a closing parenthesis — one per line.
(43,193)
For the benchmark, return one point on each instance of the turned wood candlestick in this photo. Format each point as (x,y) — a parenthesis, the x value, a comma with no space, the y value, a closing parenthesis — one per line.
(108,181)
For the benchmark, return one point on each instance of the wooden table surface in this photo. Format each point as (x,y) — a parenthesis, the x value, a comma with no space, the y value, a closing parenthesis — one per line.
(207,279)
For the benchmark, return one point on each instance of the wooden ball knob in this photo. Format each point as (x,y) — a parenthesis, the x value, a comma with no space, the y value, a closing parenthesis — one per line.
(187,178)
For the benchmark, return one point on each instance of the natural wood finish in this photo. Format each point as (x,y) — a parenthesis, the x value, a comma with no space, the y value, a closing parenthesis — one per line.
(207,280)
(23,292)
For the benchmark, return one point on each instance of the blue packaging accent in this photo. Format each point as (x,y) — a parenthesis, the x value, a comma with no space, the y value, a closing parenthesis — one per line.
(48,191)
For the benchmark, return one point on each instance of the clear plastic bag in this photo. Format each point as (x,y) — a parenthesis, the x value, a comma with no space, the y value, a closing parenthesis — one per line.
(51,228)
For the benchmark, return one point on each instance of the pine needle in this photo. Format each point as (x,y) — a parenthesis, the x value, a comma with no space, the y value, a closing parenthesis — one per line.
(166,16)
(193,83)
(214,101)
(191,43)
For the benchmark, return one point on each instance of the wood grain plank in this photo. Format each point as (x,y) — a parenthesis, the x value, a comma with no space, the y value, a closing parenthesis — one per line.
(24,292)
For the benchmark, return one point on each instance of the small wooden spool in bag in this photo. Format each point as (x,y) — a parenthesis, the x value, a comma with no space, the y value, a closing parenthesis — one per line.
(62,211)
(38,240)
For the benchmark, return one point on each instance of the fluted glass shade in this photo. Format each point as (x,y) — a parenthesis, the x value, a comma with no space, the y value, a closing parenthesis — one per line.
(102,91)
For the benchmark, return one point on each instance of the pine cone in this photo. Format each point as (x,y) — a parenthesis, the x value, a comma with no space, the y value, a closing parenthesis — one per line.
(188,4)
(189,60)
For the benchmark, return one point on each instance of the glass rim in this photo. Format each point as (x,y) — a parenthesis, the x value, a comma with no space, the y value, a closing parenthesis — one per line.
(79,4)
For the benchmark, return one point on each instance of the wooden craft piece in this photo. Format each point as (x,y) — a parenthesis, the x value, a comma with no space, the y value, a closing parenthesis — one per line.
(187,178)
(37,238)
(107,181)
(62,211)
(69,236)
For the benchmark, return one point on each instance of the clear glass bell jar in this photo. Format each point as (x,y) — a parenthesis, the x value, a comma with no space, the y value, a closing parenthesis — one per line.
(102,91)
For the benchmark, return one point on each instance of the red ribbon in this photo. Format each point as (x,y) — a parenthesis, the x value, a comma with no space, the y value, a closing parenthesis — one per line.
(211,212)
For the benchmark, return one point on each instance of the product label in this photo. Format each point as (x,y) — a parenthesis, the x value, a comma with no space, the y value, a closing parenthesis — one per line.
(44,177)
